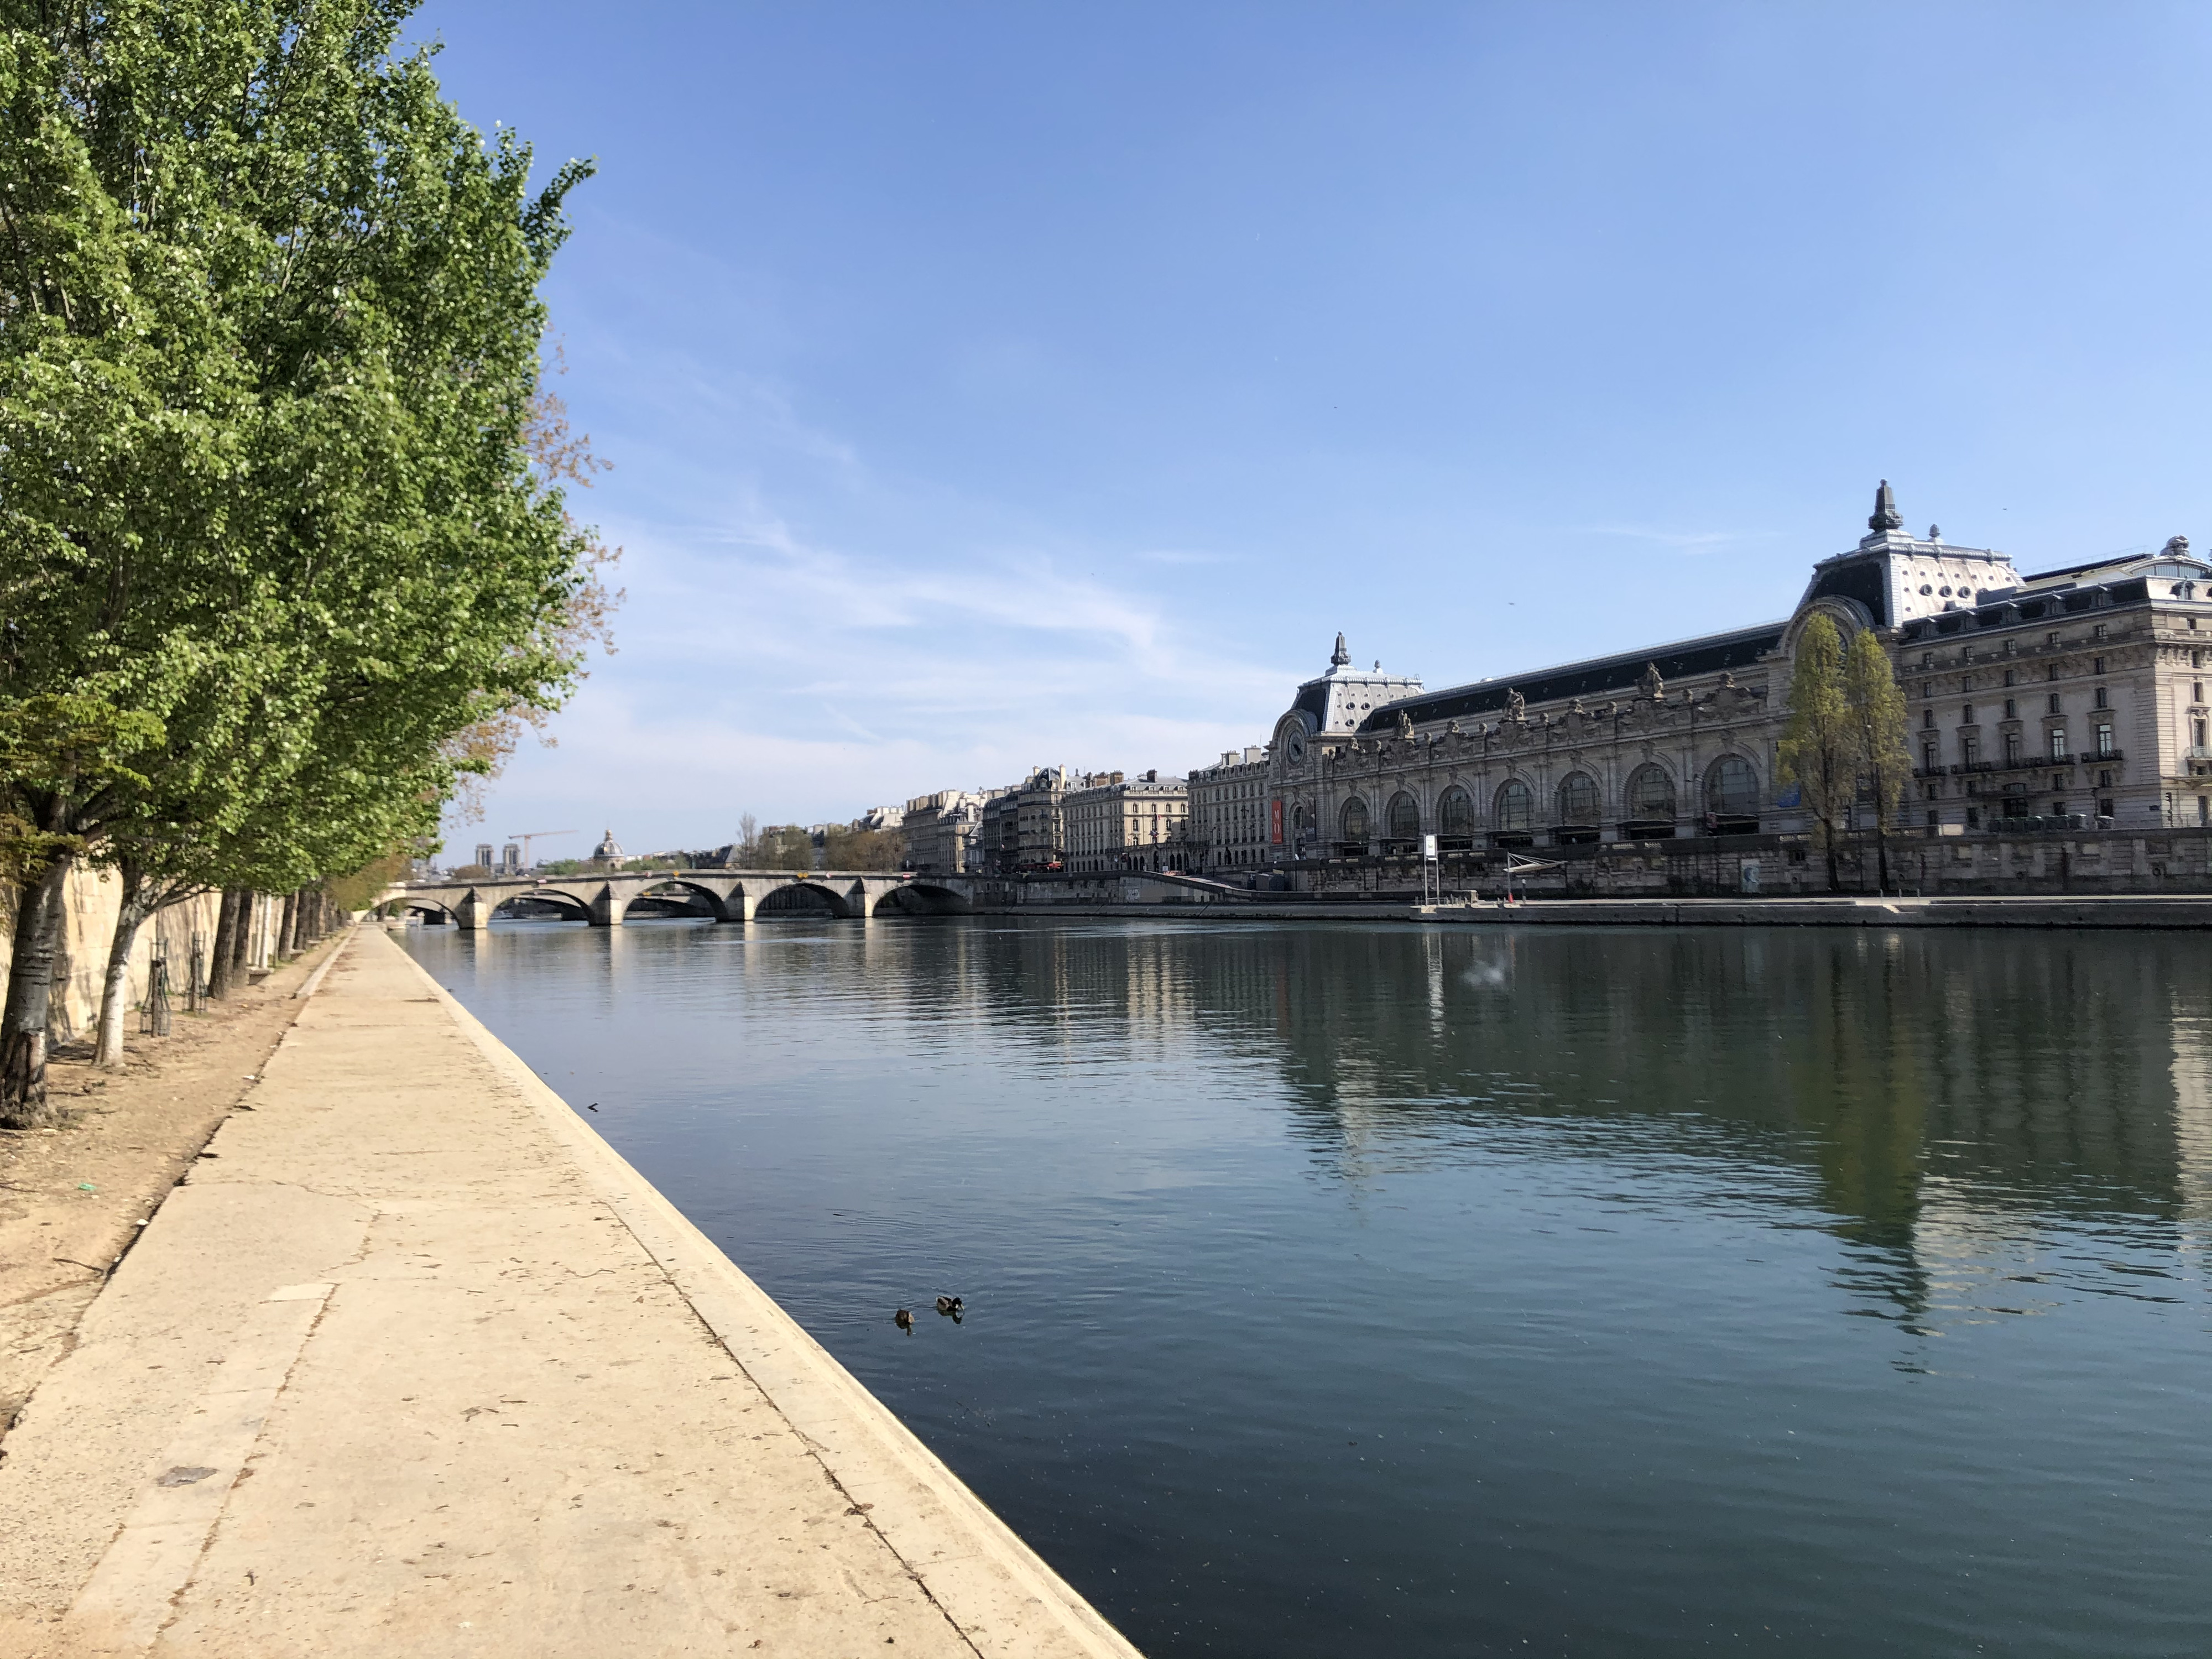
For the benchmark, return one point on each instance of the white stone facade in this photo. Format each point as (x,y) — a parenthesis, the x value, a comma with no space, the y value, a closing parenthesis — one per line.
(2071,696)
(1118,822)
(941,832)
(1229,827)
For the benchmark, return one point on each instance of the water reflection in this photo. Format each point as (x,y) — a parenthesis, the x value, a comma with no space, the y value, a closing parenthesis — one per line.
(1932,1100)
(1554,1291)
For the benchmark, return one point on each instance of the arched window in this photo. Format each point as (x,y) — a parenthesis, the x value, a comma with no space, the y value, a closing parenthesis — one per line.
(1651,797)
(1404,817)
(1731,788)
(1354,821)
(1515,806)
(1456,812)
(1579,810)
(1579,799)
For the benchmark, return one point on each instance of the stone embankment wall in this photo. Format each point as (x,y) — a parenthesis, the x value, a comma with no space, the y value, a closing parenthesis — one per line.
(91,900)
(2086,861)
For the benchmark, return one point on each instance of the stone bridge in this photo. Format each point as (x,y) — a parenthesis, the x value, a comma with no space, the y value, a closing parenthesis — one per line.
(726,895)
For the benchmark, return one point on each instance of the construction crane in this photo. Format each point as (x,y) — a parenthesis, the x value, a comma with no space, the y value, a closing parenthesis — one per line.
(535,835)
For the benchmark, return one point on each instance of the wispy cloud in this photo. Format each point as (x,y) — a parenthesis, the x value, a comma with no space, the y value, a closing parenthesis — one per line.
(763,669)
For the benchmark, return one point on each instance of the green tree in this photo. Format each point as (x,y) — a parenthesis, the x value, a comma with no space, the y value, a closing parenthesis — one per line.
(1877,713)
(65,766)
(784,846)
(862,850)
(1819,745)
(269,363)
(363,888)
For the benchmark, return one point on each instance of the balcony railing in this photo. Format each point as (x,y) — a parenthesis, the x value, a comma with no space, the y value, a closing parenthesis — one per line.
(2025,764)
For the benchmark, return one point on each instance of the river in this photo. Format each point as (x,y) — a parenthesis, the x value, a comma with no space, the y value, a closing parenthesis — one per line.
(1341,1287)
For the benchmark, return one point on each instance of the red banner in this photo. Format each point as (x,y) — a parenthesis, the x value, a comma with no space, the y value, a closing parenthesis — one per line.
(1275,822)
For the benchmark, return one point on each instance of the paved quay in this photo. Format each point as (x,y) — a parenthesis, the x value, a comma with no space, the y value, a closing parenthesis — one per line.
(413,1364)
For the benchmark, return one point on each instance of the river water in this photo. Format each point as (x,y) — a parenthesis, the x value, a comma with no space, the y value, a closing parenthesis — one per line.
(1343,1288)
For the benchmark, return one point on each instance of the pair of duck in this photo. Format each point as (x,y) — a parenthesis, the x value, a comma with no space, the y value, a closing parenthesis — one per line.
(951,1305)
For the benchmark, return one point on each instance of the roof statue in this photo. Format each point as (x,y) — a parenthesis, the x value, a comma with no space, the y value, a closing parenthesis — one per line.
(1651,685)
(1516,706)
(1885,516)
(1405,724)
(2176,547)
(1340,657)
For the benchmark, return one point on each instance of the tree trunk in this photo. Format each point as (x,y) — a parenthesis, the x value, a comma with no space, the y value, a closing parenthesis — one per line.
(286,927)
(227,922)
(241,949)
(39,916)
(115,994)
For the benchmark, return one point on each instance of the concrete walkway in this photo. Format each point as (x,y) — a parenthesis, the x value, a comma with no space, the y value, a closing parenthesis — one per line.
(414,1364)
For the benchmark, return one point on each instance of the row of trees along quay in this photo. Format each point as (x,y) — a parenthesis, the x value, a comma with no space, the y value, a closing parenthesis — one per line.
(286,562)
(1844,743)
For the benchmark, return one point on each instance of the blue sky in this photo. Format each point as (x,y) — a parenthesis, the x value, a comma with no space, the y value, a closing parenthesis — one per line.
(992,386)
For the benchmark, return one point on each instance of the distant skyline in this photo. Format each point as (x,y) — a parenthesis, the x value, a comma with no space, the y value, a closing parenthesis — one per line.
(990,386)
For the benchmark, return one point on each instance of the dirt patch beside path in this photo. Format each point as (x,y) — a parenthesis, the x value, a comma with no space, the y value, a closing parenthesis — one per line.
(71,1199)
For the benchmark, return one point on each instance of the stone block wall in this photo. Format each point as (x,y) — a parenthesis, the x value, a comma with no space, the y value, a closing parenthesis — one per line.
(2176,860)
(90,901)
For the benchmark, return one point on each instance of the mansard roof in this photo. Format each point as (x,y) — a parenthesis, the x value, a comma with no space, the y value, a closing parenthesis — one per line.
(1709,654)
(2166,564)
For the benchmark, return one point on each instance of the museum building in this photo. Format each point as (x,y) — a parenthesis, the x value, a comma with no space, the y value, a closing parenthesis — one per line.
(2074,697)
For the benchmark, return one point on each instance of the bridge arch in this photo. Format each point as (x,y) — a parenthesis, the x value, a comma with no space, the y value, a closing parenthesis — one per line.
(672,887)
(571,909)
(923,898)
(789,898)
(553,892)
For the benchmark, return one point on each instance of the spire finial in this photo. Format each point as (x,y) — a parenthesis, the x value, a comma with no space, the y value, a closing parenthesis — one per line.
(1885,516)
(1342,658)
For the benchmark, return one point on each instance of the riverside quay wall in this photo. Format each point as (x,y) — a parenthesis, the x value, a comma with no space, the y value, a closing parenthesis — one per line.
(1985,865)
(90,902)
